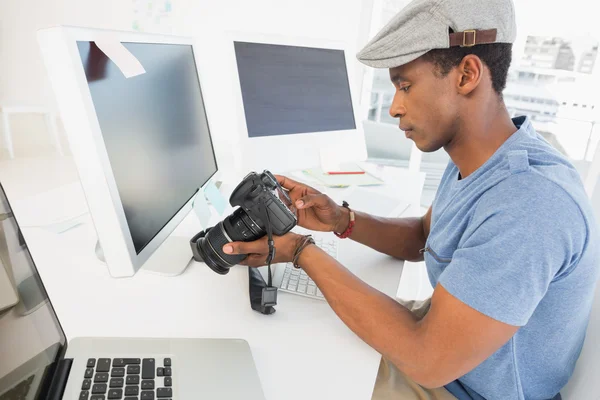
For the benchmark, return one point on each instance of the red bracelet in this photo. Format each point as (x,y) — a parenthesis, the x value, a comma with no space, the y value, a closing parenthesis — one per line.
(348,230)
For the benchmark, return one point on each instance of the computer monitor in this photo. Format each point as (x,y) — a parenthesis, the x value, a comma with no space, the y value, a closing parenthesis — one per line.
(294,99)
(142,144)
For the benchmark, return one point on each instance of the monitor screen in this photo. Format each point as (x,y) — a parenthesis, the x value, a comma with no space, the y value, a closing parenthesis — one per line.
(31,339)
(291,89)
(155,131)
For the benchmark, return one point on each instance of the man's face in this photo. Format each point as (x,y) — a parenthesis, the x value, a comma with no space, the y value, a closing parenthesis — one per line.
(426,103)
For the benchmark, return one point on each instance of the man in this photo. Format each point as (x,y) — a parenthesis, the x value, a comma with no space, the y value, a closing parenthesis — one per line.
(510,243)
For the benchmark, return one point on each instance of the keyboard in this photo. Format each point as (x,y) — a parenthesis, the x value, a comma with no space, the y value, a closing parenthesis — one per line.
(127,378)
(298,282)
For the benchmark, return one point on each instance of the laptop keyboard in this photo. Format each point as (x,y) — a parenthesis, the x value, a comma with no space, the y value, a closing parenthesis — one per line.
(127,378)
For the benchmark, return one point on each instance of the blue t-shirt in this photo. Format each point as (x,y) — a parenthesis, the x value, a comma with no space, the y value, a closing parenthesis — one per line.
(517,241)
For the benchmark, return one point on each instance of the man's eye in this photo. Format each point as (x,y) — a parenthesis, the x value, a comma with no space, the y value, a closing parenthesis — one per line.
(404,88)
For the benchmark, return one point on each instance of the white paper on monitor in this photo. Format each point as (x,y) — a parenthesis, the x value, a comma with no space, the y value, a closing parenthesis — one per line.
(117,53)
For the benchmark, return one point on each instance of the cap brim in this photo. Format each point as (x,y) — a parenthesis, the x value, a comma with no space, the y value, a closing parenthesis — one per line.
(410,34)
(391,62)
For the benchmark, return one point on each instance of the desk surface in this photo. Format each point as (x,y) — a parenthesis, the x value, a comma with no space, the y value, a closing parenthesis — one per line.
(302,351)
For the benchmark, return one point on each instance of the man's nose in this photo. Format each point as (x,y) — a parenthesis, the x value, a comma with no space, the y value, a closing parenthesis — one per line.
(397,109)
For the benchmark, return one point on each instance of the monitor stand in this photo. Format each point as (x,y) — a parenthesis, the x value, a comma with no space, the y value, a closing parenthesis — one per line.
(170,259)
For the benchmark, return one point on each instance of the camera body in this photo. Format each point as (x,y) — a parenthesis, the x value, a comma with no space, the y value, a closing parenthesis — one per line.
(262,202)
(263,189)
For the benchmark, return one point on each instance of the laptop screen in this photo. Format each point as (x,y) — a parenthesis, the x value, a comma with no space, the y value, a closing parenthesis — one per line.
(31,339)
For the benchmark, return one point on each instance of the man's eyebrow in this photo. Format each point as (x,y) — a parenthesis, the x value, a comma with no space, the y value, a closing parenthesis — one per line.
(397,78)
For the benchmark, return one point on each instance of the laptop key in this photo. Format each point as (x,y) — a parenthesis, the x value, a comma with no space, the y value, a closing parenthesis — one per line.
(148,368)
(89,372)
(118,372)
(168,381)
(132,380)
(84,395)
(98,397)
(162,393)
(147,395)
(121,362)
(116,382)
(91,363)
(160,371)
(147,385)
(86,385)
(115,393)
(103,365)
(101,377)
(168,371)
(133,369)
(167,362)
(99,388)
(132,390)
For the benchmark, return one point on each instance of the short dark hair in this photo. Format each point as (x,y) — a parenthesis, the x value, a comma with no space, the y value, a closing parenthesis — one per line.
(497,56)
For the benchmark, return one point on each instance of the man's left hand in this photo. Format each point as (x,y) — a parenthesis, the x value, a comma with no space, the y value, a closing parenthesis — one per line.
(257,251)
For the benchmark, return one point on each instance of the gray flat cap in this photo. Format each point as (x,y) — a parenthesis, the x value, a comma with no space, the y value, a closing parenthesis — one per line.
(424,25)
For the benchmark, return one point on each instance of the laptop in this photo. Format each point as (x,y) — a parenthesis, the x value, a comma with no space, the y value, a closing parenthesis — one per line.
(386,144)
(37,362)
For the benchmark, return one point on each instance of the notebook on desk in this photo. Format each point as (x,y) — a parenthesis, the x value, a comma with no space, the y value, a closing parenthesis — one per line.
(38,363)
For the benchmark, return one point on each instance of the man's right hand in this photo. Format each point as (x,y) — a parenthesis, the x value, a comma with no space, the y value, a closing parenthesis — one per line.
(315,210)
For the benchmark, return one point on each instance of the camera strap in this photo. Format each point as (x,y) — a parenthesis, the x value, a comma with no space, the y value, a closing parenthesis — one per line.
(268,293)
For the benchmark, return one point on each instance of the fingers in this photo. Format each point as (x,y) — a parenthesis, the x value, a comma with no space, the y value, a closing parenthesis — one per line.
(254,260)
(258,246)
(286,182)
(291,184)
(312,200)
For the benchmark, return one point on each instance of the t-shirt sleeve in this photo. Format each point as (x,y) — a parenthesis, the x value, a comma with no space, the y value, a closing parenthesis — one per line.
(525,232)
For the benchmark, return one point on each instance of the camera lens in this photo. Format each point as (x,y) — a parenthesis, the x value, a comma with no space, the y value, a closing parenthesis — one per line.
(237,227)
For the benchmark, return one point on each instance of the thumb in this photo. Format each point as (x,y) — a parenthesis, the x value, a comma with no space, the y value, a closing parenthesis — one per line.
(259,246)
(312,200)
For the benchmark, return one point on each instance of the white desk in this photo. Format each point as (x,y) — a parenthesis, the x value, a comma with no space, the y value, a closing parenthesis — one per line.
(303,351)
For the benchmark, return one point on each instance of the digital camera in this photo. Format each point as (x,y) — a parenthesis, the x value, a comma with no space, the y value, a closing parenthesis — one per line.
(263,206)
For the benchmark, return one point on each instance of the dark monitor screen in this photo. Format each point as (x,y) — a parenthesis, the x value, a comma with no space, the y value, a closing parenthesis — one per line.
(155,130)
(291,89)
(31,340)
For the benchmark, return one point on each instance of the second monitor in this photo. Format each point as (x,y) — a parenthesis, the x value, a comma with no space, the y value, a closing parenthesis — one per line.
(295,99)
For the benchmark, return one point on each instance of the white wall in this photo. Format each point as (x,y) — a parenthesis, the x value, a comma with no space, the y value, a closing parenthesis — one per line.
(23,79)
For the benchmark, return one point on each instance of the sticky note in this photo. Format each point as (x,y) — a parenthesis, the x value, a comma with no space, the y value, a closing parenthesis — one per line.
(117,53)
(201,209)
(215,197)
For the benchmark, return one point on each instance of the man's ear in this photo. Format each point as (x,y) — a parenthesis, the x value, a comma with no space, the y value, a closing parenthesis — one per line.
(470,74)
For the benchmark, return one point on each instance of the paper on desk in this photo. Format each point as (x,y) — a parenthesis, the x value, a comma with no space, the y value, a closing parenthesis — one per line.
(215,197)
(343,180)
(117,53)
